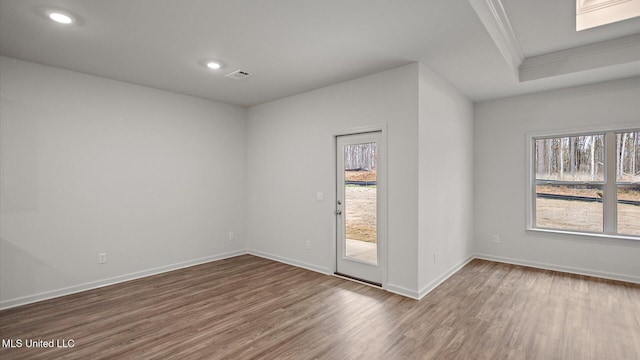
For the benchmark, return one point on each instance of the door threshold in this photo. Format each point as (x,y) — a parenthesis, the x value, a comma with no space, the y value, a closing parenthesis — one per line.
(362,281)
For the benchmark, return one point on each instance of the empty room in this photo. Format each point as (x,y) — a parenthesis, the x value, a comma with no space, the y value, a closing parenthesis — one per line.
(411,179)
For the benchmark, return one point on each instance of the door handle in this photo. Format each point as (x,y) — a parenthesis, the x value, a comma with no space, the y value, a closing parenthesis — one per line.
(338,212)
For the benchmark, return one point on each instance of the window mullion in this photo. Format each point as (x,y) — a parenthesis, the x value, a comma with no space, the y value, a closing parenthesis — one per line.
(610,198)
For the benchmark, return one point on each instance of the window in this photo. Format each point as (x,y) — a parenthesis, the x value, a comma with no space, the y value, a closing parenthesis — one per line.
(586,183)
(593,13)
(628,182)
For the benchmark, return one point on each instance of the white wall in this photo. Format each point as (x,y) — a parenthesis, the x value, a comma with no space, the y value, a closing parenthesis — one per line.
(157,179)
(500,128)
(446,180)
(290,157)
(89,165)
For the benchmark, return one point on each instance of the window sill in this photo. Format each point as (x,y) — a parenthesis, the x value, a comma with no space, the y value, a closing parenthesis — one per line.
(583,234)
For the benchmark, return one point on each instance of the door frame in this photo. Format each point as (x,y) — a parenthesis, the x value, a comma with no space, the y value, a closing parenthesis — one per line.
(383,245)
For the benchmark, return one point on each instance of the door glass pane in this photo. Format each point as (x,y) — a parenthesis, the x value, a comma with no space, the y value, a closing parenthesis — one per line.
(360,189)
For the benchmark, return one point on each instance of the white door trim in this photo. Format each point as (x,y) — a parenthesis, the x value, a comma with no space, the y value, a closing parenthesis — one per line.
(383,246)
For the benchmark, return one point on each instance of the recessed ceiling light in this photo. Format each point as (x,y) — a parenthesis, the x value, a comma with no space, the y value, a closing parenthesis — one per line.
(60,18)
(213,65)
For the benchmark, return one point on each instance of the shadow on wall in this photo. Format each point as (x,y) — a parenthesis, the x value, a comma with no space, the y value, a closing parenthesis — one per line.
(21,273)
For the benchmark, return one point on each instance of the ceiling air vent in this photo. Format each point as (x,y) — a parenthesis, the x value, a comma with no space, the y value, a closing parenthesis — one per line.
(238,75)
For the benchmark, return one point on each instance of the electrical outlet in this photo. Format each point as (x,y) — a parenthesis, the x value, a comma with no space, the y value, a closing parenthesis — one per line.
(308,244)
(102,258)
(496,239)
(231,235)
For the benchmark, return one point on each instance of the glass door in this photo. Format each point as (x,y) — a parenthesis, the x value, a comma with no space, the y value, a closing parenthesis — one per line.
(357,206)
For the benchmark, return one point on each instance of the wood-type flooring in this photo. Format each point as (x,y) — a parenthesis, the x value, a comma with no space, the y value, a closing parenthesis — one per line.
(248,307)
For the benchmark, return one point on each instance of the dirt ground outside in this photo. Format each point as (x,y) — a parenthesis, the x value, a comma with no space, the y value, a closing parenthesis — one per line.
(360,207)
(360,175)
(584,216)
(360,210)
(623,194)
(360,213)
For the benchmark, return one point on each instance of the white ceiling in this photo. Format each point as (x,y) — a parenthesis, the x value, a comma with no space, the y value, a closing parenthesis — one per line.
(542,26)
(292,46)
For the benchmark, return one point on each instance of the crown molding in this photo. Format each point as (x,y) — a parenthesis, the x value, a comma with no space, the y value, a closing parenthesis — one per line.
(495,20)
(583,58)
(602,54)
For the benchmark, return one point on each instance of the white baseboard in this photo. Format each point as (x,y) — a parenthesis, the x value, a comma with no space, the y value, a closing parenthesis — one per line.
(6,304)
(292,262)
(417,295)
(401,290)
(560,268)
(434,284)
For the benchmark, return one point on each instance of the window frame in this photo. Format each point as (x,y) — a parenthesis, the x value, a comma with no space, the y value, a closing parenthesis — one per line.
(609,183)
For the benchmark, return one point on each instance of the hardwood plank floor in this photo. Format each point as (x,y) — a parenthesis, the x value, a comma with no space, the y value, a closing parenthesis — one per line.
(248,307)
